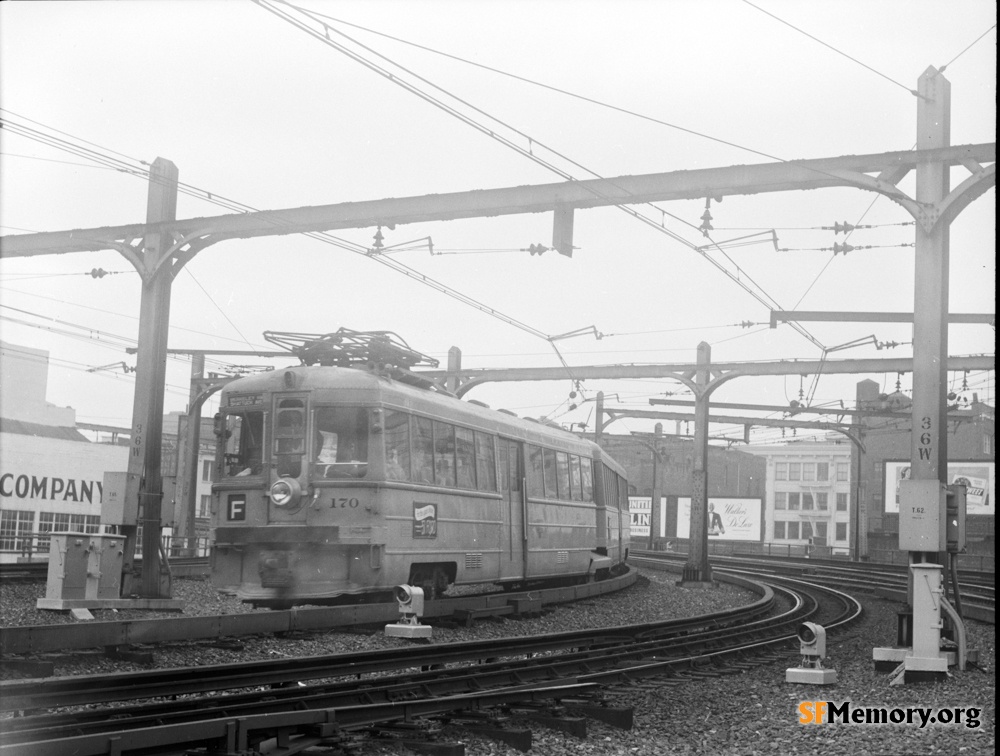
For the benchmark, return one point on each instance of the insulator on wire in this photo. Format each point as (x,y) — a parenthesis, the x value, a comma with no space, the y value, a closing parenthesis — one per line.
(98,273)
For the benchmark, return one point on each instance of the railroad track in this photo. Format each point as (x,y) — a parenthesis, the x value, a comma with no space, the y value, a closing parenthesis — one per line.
(558,678)
(977,591)
(36,639)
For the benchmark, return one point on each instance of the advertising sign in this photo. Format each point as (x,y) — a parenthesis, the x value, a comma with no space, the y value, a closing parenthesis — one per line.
(639,507)
(729,518)
(979,479)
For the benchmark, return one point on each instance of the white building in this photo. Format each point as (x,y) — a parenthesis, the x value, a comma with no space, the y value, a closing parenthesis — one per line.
(51,474)
(808,495)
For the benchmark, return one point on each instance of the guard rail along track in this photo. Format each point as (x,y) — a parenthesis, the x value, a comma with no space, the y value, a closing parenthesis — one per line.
(262,707)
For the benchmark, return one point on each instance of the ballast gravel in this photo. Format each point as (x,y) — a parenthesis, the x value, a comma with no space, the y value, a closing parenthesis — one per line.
(749,713)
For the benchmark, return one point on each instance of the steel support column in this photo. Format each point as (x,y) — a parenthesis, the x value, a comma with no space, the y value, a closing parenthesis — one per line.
(145,479)
(697,568)
(929,441)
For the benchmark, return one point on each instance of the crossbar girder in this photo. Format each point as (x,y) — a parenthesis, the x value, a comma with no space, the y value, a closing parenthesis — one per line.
(469,379)
(794,175)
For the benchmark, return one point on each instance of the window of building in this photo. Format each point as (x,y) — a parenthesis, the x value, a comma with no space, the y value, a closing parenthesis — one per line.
(51,522)
(821,499)
(795,471)
(841,531)
(15,529)
(780,500)
(204,506)
(809,471)
(781,471)
(820,530)
(793,531)
(779,530)
(793,501)
(807,501)
(822,471)
(206,470)
(841,502)
(843,471)
(987,444)
(807,531)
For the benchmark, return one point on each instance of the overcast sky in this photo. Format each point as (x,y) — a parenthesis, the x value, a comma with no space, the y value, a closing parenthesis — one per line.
(257,111)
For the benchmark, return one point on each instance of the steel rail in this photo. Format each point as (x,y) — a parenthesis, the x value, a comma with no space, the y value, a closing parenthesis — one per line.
(18,695)
(537,668)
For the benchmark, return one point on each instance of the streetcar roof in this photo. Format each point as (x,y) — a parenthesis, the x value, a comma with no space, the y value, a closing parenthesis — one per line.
(365,387)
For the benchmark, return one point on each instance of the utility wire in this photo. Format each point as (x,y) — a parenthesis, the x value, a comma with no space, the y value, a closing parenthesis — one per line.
(941,70)
(528,152)
(831,47)
(241,207)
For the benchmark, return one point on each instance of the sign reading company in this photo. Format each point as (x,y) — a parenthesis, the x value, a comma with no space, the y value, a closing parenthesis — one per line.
(732,519)
(54,488)
(55,475)
(979,479)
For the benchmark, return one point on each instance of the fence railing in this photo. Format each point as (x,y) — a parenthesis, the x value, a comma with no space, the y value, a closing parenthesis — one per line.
(34,547)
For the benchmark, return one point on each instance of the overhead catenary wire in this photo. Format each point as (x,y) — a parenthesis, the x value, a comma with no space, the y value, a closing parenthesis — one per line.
(831,47)
(244,208)
(324,37)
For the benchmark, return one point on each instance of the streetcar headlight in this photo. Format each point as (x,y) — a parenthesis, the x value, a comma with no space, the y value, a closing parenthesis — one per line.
(285,492)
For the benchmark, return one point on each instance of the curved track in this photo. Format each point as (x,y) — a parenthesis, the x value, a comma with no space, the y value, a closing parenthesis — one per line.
(353,693)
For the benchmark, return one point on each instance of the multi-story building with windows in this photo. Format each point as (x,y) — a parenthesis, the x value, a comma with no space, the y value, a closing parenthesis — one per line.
(808,494)
(51,473)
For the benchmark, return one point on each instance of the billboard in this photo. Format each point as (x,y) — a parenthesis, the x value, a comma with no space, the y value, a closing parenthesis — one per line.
(729,518)
(978,476)
(639,517)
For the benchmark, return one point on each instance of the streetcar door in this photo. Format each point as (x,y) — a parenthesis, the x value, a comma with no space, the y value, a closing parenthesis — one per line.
(513,554)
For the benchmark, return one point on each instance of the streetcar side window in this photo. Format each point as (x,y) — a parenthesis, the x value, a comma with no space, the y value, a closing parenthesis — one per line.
(486,474)
(549,473)
(340,442)
(505,473)
(587,478)
(397,445)
(444,454)
(574,477)
(423,450)
(562,475)
(465,458)
(244,449)
(535,466)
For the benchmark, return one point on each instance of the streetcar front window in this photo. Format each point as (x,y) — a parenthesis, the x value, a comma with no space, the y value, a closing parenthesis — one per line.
(290,437)
(244,446)
(340,442)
